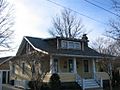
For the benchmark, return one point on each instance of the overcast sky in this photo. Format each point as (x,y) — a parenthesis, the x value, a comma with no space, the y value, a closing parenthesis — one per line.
(33,17)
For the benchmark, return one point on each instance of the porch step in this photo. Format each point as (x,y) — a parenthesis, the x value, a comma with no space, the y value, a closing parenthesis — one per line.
(90,83)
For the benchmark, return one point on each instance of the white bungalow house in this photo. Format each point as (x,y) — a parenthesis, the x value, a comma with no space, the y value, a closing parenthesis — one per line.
(72,59)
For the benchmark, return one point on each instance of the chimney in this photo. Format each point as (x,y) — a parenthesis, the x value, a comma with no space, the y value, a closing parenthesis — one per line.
(85,40)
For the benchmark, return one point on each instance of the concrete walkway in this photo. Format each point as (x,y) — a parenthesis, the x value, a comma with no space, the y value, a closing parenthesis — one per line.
(9,87)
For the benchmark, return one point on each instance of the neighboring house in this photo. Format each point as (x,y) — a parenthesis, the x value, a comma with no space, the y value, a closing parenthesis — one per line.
(4,70)
(72,59)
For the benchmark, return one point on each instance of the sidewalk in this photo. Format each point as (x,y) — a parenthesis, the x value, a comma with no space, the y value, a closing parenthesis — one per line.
(9,87)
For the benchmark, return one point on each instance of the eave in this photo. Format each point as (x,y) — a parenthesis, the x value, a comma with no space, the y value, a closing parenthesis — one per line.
(80,56)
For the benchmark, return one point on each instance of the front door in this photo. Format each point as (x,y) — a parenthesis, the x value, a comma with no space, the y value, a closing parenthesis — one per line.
(71,66)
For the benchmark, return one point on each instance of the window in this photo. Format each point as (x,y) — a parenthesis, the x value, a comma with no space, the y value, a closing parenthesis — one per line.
(86,67)
(13,69)
(33,68)
(70,45)
(77,45)
(23,68)
(64,44)
(4,75)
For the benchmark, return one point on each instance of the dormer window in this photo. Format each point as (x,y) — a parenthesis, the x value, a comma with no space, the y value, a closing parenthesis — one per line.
(70,44)
(63,44)
(77,45)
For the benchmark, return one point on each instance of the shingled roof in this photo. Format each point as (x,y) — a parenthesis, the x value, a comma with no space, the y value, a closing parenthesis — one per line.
(42,44)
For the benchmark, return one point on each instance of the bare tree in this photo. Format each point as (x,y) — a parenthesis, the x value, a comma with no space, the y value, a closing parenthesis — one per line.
(114,30)
(107,47)
(6,23)
(67,25)
(35,68)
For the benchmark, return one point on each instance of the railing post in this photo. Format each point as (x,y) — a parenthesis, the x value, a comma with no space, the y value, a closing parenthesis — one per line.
(83,84)
(101,82)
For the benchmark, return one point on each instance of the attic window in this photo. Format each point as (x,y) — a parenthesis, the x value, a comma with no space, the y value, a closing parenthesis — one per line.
(70,44)
(77,45)
(63,44)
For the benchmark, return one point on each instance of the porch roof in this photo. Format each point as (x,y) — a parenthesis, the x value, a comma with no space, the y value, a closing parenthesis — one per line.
(43,45)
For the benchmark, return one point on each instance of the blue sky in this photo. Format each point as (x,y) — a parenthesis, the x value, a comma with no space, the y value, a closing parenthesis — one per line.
(33,17)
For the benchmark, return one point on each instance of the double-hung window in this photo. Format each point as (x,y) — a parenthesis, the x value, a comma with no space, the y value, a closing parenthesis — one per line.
(23,68)
(70,44)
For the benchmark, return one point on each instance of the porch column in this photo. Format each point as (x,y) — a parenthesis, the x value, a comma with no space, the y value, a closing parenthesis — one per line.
(94,69)
(51,65)
(75,66)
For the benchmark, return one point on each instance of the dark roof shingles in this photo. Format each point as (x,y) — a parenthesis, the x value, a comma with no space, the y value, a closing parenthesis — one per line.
(43,45)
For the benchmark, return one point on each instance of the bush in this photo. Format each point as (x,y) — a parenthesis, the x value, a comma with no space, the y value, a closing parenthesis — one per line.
(34,85)
(44,86)
(55,82)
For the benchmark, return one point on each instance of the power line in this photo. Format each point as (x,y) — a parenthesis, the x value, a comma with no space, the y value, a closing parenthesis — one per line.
(77,12)
(102,8)
(99,2)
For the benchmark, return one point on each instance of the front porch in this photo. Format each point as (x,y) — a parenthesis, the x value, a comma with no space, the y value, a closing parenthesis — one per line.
(73,69)
(84,67)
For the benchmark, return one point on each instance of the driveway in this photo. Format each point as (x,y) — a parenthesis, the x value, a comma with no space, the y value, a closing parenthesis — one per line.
(9,87)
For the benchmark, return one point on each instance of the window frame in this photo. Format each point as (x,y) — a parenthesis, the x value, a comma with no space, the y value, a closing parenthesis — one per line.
(70,44)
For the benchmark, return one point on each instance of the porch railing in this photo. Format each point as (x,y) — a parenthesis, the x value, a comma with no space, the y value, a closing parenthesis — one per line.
(99,80)
(80,81)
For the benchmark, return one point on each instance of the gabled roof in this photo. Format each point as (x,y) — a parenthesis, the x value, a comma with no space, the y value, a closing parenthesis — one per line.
(42,45)
(38,44)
